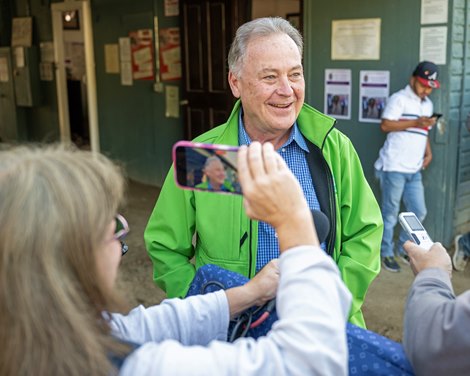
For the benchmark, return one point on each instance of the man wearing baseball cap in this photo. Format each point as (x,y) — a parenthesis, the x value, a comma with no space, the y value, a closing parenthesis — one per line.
(407,118)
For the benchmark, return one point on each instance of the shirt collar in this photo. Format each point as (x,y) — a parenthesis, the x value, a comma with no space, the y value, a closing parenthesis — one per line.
(295,135)
(413,95)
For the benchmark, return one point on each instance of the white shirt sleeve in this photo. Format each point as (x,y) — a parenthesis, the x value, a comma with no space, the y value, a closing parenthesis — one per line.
(394,108)
(196,320)
(308,339)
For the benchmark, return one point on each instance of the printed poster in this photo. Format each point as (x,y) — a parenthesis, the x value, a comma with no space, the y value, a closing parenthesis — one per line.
(374,89)
(171,8)
(22,31)
(4,77)
(338,93)
(357,39)
(111,58)
(433,44)
(434,11)
(142,54)
(170,54)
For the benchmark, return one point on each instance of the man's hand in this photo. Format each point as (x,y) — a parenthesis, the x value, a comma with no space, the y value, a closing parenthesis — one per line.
(264,284)
(427,161)
(272,194)
(400,125)
(257,291)
(425,122)
(427,155)
(420,259)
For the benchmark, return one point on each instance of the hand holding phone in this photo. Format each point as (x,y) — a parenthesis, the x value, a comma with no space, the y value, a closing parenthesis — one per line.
(415,230)
(436,115)
(206,167)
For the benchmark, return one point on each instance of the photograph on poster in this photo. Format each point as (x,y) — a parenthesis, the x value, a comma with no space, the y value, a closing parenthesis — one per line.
(337,104)
(372,107)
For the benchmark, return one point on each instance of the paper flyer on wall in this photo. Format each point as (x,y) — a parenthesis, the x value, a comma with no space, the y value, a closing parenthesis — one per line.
(374,89)
(142,54)
(338,93)
(170,54)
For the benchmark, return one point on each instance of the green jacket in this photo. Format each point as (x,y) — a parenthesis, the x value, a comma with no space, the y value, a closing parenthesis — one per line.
(226,186)
(227,237)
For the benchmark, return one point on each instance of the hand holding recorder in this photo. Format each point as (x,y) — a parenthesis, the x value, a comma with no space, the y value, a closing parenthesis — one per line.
(435,257)
(415,230)
(423,253)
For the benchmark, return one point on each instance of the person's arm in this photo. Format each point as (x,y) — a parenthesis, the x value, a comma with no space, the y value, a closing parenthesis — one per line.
(168,238)
(257,291)
(198,319)
(392,117)
(195,320)
(360,229)
(436,323)
(400,125)
(427,155)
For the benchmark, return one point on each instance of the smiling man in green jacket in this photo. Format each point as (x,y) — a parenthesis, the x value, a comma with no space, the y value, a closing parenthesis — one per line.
(266,74)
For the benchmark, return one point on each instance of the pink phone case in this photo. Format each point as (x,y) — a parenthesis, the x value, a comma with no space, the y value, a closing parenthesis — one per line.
(213,149)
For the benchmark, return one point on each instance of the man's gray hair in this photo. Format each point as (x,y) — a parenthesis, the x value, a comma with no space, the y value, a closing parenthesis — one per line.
(210,160)
(256,28)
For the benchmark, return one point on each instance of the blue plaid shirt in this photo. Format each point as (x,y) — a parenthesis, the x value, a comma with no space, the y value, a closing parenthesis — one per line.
(294,152)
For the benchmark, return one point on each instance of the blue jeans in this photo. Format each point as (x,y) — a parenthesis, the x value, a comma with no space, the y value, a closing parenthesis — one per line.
(465,243)
(394,187)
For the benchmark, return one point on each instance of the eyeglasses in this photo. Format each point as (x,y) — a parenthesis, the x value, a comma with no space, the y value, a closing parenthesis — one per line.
(122,229)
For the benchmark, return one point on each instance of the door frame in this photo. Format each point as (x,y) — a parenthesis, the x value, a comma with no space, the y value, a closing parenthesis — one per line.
(61,80)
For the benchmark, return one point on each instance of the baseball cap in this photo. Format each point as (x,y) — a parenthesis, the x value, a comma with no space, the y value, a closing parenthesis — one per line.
(426,73)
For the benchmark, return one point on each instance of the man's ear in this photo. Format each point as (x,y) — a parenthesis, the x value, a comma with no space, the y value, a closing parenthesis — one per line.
(234,82)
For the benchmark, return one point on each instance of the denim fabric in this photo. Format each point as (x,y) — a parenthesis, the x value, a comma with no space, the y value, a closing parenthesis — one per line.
(464,242)
(396,186)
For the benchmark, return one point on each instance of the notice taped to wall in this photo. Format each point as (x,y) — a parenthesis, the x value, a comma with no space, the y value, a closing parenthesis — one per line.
(374,89)
(338,93)
(142,54)
(357,39)
(170,54)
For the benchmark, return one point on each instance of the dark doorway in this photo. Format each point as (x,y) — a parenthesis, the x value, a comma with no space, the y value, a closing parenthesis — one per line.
(74,54)
(78,116)
(208,28)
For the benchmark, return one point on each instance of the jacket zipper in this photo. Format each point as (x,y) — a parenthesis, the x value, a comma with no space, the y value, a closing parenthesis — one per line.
(331,192)
(250,251)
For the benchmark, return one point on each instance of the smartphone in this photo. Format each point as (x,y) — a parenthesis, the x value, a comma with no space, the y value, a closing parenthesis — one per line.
(436,115)
(206,167)
(415,229)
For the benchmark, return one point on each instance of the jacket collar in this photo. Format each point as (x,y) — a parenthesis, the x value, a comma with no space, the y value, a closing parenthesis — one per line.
(313,125)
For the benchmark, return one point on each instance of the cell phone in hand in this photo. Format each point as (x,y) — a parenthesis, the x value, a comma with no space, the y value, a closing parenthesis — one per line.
(436,115)
(206,167)
(415,230)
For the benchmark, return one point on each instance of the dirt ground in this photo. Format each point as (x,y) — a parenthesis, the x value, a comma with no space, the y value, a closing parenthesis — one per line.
(383,307)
